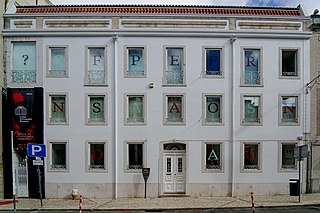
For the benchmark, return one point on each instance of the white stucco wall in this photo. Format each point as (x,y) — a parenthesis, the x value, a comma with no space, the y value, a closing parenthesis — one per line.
(117,182)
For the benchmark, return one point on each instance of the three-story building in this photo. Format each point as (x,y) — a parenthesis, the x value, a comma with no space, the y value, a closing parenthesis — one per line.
(210,98)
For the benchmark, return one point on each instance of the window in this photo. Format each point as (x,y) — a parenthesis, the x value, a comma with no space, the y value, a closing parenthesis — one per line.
(289,110)
(57,109)
(212,109)
(174,109)
(24,62)
(175,63)
(97,158)
(252,67)
(289,62)
(58,159)
(288,162)
(251,109)
(57,62)
(135,156)
(251,157)
(212,66)
(135,62)
(96,110)
(96,66)
(213,157)
(135,109)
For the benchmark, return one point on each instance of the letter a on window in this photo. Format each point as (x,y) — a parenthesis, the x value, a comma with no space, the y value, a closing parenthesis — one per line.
(213,155)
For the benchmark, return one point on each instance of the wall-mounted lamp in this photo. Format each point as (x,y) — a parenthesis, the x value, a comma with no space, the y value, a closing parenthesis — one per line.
(315,20)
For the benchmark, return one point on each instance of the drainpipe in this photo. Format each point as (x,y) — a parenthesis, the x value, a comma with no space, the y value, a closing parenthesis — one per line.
(115,117)
(233,38)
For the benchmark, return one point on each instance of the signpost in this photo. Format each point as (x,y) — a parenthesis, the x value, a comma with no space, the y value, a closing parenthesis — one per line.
(13,176)
(145,173)
(37,151)
(299,153)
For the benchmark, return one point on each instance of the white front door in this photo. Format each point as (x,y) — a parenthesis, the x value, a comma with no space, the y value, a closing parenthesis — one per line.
(174,172)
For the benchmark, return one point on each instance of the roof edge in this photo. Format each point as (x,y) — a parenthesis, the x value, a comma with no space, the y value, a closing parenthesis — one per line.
(162,5)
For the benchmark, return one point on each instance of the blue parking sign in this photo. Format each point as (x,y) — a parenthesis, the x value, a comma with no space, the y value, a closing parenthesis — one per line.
(36,150)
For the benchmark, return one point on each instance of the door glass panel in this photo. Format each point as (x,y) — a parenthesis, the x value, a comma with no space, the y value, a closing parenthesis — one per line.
(168,165)
(179,165)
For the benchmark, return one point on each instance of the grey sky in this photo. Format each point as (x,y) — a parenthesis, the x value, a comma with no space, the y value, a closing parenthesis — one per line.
(310,5)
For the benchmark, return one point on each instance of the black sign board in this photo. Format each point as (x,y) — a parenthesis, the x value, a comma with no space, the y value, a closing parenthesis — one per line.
(145,173)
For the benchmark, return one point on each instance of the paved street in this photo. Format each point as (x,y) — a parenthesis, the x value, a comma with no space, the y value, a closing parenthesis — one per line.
(274,203)
(294,209)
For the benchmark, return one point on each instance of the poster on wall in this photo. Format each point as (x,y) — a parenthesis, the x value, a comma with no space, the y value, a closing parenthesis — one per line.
(23,123)
(23,112)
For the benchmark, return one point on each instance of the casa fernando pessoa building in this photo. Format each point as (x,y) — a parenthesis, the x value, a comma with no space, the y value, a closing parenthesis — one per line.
(210,98)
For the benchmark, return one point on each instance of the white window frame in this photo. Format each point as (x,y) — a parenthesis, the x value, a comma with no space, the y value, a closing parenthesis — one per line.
(49,103)
(87,55)
(105,156)
(204,152)
(244,170)
(49,158)
(204,61)
(126,67)
(280,168)
(164,82)
(126,156)
(260,108)
(297,66)
(66,55)
(242,81)
(165,109)
(126,109)
(204,106)
(91,123)
(281,123)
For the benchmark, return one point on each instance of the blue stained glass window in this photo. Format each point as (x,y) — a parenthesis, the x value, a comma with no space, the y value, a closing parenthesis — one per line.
(213,63)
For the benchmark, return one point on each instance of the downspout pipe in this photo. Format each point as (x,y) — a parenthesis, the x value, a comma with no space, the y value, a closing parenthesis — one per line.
(231,114)
(115,117)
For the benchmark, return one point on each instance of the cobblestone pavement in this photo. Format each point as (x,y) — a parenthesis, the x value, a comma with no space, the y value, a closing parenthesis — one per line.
(163,203)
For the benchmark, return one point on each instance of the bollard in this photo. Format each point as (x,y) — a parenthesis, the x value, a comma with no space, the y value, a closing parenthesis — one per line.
(252,203)
(80,204)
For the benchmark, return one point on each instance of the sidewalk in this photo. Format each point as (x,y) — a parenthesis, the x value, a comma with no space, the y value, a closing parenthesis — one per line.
(176,203)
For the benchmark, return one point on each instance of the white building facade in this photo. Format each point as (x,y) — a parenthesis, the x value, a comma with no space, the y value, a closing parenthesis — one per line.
(211,99)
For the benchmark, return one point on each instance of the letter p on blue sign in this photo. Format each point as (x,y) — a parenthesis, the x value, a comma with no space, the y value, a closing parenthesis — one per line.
(36,150)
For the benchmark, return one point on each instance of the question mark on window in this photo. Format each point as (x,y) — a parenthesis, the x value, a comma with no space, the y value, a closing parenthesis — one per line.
(25,58)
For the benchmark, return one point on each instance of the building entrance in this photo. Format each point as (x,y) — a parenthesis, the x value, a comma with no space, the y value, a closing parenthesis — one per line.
(174,167)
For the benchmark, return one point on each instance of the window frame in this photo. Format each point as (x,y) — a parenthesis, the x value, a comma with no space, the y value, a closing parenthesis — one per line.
(204,158)
(260,157)
(126,109)
(165,109)
(87,104)
(126,156)
(49,64)
(204,62)
(260,108)
(204,106)
(183,66)
(260,66)
(50,153)
(126,60)
(87,55)
(49,113)
(297,62)
(281,123)
(88,156)
(280,163)
(37,75)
